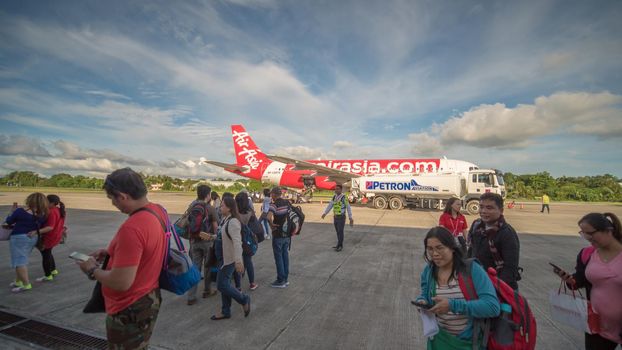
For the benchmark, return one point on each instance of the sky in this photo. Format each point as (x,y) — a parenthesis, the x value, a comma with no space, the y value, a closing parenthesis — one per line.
(87,87)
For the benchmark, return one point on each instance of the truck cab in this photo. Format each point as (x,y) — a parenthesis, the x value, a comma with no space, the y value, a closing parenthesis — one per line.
(481,181)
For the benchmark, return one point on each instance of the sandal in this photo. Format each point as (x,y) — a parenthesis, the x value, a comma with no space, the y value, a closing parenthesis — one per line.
(218,318)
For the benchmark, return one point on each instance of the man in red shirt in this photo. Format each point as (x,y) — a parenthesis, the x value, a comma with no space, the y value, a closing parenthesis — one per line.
(130,280)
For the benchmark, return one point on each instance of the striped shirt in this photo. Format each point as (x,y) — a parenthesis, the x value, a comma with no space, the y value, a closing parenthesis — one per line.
(452,323)
(279,208)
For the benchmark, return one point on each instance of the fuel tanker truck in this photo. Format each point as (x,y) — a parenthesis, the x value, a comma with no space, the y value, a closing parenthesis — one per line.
(428,190)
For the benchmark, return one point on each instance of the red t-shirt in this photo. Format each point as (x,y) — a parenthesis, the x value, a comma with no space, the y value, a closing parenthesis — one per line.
(140,242)
(455,226)
(56,222)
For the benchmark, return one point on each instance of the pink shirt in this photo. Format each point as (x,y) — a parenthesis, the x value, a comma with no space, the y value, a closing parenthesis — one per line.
(606,280)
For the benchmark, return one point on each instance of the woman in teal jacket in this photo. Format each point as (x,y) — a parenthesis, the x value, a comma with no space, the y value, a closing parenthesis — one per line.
(440,288)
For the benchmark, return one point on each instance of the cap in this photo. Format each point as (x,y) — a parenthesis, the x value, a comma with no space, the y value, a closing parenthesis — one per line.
(276,190)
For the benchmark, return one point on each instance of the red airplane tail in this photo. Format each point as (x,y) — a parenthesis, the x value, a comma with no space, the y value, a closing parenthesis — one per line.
(247,154)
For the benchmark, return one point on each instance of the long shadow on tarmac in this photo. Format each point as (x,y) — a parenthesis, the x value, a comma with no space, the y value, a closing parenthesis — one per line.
(354,299)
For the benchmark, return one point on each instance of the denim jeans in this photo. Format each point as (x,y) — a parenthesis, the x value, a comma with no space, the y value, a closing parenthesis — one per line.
(266,228)
(227,292)
(281,257)
(250,270)
(340,224)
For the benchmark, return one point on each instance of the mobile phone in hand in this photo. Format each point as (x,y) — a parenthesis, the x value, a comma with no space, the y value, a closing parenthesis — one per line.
(559,271)
(421,305)
(79,256)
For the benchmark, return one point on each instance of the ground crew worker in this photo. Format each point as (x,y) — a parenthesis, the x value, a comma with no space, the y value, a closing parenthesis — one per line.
(339,204)
(545,203)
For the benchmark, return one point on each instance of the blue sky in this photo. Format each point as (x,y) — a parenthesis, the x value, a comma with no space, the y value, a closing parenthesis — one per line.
(525,86)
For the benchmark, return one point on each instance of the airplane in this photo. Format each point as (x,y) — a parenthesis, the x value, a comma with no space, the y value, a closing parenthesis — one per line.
(252,163)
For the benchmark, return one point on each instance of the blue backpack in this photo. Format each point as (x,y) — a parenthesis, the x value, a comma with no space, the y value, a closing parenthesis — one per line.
(249,241)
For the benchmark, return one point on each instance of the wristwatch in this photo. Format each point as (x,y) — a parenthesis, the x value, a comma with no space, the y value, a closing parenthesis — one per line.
(90,273)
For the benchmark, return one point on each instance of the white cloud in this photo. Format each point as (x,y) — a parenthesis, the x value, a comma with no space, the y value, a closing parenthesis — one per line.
(425,145)
(300,152)
(19,144)
(498,126)
(107,94)
(342,144)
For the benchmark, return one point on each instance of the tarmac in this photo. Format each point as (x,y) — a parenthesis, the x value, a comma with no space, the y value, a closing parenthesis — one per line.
(358,298)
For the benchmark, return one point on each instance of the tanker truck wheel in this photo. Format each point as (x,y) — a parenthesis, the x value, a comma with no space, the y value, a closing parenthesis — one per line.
(380,202)
(473,207)
(395,203)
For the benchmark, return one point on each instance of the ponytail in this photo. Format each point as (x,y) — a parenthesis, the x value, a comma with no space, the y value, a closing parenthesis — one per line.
(604,222)
(54,199)
(615,222)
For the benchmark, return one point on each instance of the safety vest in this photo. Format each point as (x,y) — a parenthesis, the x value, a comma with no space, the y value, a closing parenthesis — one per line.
(339,205)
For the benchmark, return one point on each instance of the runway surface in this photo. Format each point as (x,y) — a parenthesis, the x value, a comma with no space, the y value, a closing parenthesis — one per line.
(357,298)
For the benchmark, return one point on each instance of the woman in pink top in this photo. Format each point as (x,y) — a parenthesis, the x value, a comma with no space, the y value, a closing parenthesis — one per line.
(601,274)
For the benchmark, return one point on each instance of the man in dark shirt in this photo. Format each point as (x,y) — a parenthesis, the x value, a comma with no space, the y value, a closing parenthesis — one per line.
(280,240)
(493,241)
(202,232)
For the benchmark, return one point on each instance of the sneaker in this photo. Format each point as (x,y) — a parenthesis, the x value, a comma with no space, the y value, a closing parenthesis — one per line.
(49,278)
(287,283)
(278,284)
(253,286)
(16,284)
(191,302)
(54,272)
(22,288)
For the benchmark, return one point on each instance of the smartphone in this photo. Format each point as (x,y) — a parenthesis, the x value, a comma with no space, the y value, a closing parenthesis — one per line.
(79,256)
(557,268)
(421,305)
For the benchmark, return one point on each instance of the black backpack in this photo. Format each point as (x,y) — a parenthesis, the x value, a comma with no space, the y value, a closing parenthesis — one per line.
(294,220)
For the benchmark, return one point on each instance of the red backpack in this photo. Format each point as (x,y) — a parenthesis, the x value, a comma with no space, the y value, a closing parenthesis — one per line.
(516,331)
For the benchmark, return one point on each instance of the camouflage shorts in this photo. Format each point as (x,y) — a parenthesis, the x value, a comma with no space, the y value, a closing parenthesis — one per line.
(132,327)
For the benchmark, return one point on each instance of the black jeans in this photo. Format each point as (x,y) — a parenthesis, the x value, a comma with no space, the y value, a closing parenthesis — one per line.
(596,342)
(340,224)
(48,262)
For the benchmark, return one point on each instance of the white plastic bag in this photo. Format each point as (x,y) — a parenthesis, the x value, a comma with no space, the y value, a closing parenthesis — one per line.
(569,309)
(430,325)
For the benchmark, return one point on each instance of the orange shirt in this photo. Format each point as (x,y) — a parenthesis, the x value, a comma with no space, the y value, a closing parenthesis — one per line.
(140,242)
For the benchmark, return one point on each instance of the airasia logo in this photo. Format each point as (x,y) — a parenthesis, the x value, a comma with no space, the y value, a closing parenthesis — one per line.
(363,167)
(241,140)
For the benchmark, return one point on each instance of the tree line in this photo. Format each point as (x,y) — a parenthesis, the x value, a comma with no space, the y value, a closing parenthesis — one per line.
(163,182)
(605,188)
(599,188)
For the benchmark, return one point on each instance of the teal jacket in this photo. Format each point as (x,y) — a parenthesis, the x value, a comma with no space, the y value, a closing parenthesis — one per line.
(486,306)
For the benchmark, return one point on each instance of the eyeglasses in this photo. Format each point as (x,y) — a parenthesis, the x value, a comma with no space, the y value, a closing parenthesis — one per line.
(586,235)
(438,250)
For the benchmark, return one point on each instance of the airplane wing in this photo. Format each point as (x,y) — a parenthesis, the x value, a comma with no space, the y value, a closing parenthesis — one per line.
(230,167)
(335,175)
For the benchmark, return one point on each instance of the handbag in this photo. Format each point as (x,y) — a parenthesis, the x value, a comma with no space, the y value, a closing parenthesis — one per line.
(574,311)
(97,304)
(5,232)
(178,273)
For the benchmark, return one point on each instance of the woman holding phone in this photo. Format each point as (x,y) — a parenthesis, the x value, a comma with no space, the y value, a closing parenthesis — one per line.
(599,271)
(440,288)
